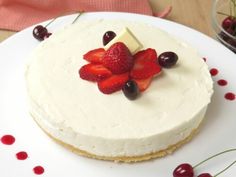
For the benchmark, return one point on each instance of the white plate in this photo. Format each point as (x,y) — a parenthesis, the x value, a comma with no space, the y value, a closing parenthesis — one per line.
(216,134)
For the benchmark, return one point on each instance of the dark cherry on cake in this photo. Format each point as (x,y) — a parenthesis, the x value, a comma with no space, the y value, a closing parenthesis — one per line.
(117,69)
(130,89)
(167,59)
(108,36)
(40,32)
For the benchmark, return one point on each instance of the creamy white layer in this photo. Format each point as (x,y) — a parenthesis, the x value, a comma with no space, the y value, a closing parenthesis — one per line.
(76,112)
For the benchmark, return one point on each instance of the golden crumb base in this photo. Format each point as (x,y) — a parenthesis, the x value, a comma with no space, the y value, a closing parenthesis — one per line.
(125,159)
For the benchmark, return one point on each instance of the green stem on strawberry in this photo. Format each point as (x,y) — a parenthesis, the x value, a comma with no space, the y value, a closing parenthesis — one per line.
(222,171)
(209,158)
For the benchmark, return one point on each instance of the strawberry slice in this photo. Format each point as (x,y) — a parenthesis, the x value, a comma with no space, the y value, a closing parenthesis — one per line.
(94,72)
(113,83)
(143,84)
(146,55)
(95,56)
(145,64)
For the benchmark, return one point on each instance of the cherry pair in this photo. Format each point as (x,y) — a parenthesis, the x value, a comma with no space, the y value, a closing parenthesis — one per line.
(187,170)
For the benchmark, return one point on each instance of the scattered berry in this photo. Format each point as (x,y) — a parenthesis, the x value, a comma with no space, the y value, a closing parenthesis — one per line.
(118,58)
(222,82)
(108,36)
(38,170)
(95,56)
(94,72)
(40,32)
(183,170)
(143,84)
(145,65)
(214,71)
(8,139)
(113,83)
(130,89)
(167,59)
(230,96)
(205,175)
(21,155)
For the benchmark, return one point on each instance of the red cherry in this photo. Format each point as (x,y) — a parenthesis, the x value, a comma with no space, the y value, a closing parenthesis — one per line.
(40,32)
(204,175)
(183,170)
(227,22)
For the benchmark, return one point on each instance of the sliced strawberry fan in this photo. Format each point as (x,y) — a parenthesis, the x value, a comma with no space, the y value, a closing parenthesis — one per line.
(111,69)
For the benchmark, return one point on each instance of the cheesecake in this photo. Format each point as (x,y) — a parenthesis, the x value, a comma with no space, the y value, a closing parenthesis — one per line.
(76,114)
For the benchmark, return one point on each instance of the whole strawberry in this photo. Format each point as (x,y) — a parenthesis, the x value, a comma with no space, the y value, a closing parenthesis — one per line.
(118,58)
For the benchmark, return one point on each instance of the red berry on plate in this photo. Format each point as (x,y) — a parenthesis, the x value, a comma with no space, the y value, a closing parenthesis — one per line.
(183,170)
(95,56)
(205,175)
(113,83)
(40,32)
(227,22)
(38,170)
(22,155)
(130,89)
(8,139)
(94,72)
(118,58)
(145,64)
(167,59)
(108,36)
(143,84)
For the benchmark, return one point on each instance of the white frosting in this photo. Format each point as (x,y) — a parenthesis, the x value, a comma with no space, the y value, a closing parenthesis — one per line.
(76,112)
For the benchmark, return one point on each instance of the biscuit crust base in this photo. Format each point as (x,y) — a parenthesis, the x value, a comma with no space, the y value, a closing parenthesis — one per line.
(125,159)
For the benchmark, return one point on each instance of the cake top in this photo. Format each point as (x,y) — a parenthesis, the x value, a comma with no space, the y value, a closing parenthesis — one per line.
(172,99)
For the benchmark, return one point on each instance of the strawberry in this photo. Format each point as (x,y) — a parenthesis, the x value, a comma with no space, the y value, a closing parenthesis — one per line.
(118,58)
(94,72)
(145,64)
(95,56)
(113,83)
(143,84)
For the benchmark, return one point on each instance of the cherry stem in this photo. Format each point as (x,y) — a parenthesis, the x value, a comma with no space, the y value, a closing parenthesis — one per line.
(222,171)
(50,22)
(80,13)
(222,13)
(209,158)
(234,8)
